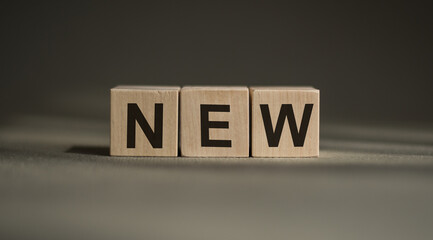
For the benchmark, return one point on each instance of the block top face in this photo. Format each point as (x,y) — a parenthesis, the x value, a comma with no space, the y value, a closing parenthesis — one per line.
(214,88)
(151,88)
(284,88)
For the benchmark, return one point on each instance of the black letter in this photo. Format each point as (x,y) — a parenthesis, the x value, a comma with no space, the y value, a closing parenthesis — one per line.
(286,110)
(206,124)
(134,114)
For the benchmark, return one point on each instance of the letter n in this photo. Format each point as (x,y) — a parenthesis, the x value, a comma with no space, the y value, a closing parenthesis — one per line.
(135,115)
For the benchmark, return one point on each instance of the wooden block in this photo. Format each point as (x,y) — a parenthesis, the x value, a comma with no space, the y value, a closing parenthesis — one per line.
(214,121)
(284,122)
(144,121)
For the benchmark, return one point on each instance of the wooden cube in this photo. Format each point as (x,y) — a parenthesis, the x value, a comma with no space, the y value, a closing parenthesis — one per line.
(284,122)
(144,121)
(214,121)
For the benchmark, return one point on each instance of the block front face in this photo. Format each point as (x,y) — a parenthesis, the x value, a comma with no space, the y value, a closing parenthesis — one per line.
(144,121)
(285,122)
(214,121)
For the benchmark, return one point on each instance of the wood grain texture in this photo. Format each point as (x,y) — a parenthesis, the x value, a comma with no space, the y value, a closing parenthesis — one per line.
(145,97)
(238,121)
(274,97)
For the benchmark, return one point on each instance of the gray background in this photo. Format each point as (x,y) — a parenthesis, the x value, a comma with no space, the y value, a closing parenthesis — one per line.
(372,62)
(370,59)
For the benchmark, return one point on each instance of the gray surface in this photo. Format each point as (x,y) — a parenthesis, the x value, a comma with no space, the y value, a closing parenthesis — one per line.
(57,182)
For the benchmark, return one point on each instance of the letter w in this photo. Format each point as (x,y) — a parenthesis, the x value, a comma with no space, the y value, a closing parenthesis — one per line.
(286,110)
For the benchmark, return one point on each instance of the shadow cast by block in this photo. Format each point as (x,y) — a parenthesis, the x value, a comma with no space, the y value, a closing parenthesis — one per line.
(90,150)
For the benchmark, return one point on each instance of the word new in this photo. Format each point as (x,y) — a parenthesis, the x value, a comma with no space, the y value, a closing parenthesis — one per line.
(214,121)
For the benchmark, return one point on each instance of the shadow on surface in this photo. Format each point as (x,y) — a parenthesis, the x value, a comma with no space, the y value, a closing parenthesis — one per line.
(90,150)
(375,147)
(325,164)
(420,135)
